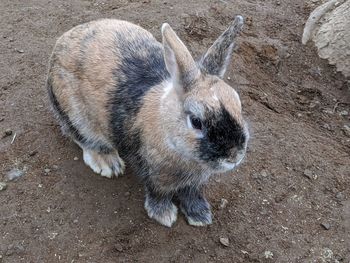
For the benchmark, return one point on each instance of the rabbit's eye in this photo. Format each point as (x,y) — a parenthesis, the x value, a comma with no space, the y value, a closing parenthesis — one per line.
(196,123)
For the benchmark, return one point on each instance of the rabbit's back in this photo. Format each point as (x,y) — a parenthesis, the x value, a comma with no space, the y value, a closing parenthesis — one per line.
(99,73)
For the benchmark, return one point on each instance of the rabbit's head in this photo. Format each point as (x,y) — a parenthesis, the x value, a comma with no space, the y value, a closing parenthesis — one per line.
(209,128)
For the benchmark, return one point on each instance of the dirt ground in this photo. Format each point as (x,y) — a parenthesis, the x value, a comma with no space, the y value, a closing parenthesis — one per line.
(288,202)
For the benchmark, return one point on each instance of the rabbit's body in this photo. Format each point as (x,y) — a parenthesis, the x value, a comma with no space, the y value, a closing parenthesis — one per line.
(113,88)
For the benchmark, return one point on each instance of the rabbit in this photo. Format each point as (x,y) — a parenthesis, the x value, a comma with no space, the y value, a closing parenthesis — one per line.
(121,95)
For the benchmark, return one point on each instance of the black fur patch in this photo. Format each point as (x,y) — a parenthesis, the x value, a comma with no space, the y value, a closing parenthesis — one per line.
(73,131)
(222,133)
(194,205)
(142,67)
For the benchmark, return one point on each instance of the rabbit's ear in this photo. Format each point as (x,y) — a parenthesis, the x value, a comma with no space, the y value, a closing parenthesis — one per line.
(178,60)
(217,58)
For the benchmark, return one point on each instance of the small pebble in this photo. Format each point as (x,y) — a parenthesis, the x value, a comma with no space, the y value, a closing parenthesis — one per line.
(3,186)
(55,167)
(75,158)
(268,254)
(223,203)
(20,50)
(264,174)
(224,241)
(8,132)
(344,113)
(52,235)
(75,221)
(346,130)
(47,170)
(308,173)
(126,193)
(340,196)
(1,119)
(32,153)
(14,174)
(326,226)
(327,126)
(119,247)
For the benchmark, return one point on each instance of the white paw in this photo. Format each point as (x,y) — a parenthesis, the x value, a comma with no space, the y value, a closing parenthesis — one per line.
(193,222)
(97,163)
(118,166)
(166,218)
(91,162)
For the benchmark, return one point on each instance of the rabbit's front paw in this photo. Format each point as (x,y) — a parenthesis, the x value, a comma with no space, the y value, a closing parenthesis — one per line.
(106,165)
(195,207)
(161,209)
(197,213)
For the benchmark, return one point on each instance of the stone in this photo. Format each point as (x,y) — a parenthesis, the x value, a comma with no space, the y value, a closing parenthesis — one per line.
(308,173)
(344,113)
(224,241)
(3,186)
(32,153)
(8,132)
(14,174)
(346,130)
(223,203)
(268,254)
(326,225)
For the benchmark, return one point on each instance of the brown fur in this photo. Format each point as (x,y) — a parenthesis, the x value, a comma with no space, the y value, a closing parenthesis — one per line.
(87,78)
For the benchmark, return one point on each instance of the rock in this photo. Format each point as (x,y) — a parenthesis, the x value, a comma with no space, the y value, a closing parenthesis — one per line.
(327,126)
(14,174)
(223,203)
(55,167)
(32,153)
(75,158)
(340,196)
(268,254)
(119,247)
(17,249)
(346,130)
(3,186)
(8,132)
(20,51)
(328,27)
(326,225)
(308,173)
(224,241)
(344,113)
(47,170)
(264,173)
(52,235)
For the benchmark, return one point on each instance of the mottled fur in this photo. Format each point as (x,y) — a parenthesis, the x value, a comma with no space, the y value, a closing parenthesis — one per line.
(120,94)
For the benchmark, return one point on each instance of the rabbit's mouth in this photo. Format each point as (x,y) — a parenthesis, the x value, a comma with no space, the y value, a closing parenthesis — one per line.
(229,165)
